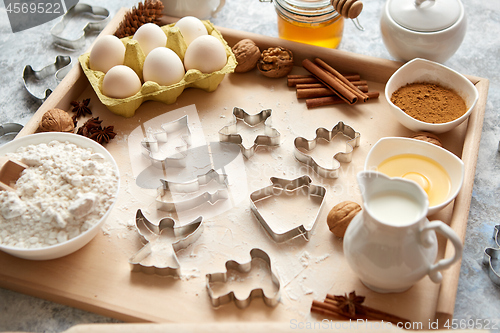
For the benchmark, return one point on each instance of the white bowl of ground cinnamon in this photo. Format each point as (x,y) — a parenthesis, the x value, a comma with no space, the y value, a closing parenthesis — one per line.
(427,96)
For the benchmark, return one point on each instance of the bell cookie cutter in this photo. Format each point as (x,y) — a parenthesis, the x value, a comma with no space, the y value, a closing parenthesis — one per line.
(79,9)
(229,133)
(8,132)
(152,143)
(325,134)
(58,69)
(280,186)
(163,241)
(192,187)
(231,265)
(493,255)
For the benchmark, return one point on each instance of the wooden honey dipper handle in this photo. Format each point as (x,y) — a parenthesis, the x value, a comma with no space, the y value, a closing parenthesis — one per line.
(348,8)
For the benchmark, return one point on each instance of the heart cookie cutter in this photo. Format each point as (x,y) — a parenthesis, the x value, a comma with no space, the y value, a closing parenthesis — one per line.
(301,144)
(80,9)
(229,133)
(162,242)
(492,255)
(169,189)
(58,69)
(280,186)
(231,265)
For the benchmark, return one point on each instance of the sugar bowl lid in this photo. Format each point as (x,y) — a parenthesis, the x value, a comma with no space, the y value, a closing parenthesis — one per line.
(425,15)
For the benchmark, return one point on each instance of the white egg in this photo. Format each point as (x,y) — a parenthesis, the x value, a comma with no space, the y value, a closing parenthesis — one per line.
(191,28)
(108,51)
(206,54)
(163,66)
(150,36)
(121,82)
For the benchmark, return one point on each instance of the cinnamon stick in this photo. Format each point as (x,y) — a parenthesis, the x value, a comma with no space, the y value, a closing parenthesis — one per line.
(321,85)
(333,83)
(294,79)
(332,100)
(320,91)
(336,74)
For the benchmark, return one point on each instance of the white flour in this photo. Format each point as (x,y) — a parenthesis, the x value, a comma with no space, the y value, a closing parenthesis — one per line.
(64,192)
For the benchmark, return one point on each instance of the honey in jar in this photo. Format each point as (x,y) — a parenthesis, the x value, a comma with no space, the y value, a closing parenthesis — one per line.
(309,21)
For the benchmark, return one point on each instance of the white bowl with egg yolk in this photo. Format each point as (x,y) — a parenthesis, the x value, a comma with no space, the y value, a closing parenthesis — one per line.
(430,154)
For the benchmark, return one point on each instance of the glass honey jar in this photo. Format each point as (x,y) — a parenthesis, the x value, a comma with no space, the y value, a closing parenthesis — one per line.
(313,22)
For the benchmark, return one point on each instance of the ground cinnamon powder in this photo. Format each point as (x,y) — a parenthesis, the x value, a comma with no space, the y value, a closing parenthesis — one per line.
(429,102)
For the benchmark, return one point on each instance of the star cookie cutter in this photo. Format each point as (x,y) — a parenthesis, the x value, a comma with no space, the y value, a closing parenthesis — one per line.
(256,254)
(325,134)
(163,241)
(80,9)
(169,189)
(285,187)
(58,70)
(229,132)
(492,255)
(151,145)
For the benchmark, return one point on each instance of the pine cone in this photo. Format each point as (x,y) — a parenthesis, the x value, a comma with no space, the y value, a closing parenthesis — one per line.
(149,12)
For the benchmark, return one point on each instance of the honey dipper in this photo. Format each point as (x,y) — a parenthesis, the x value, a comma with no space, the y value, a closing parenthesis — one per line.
(10,171)
(348,8)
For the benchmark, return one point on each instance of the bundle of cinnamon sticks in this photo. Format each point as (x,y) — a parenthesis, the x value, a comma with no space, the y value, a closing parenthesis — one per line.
(326,86)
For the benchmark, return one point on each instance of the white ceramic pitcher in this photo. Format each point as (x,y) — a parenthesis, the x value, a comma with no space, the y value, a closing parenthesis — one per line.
(391,244)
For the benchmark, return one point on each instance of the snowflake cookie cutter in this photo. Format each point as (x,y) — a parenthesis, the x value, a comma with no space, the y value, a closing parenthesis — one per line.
(280,186)
(301,144)
(229,132)
(168,189)
(58,69)
(151,145)
(165,238)
(231,265)
(491,257)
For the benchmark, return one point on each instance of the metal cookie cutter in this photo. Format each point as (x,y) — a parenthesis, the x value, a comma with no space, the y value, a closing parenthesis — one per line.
(152,143)
(84,10)
(231,265)
(58,69)
(229,133)
(491,257)
(8,132)
(158,256)
(325,134)
(279,187)
(168,189)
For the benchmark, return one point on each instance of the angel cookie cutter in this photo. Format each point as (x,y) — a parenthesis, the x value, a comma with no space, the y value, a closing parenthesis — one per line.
(162,241)
(270,298)
(491,257)
(229,133)
(302,146)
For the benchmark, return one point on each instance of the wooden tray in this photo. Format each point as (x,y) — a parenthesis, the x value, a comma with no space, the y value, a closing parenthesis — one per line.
(98,278)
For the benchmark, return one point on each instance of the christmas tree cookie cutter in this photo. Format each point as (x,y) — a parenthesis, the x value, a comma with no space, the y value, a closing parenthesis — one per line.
(229,133)
(162,242)
(303,146)
(56,71)
(169,189)
(270,299)
(491,257)
(278,187)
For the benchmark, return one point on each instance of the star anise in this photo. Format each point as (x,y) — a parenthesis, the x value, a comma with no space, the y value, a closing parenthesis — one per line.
(89,127)
(349,304)
(80,108)
(103,135)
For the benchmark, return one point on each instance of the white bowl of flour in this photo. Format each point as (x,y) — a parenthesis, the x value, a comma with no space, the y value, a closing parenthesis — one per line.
(61,200)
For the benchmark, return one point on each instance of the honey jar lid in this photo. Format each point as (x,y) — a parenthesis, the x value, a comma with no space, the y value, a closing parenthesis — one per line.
(425,15)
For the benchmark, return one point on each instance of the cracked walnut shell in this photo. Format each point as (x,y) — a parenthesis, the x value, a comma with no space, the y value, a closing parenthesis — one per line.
(428,137)
(275,62)
(340,216)
(247,55)
(56,120)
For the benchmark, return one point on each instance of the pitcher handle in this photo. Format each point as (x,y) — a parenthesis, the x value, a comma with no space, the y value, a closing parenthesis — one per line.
(445,230)
(221,4)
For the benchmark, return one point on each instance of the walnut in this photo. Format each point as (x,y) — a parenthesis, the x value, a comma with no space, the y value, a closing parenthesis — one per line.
(275,62)
(247,54)
(56,120)
(428,137)
(340,216)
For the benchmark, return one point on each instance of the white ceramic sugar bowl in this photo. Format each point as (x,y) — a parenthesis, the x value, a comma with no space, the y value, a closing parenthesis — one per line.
(429,29)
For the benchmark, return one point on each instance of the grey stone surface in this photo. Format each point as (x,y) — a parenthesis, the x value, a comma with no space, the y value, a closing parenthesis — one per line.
(477,298)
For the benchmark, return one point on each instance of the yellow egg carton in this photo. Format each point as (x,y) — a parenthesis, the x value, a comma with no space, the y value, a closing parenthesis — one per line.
(134,58)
